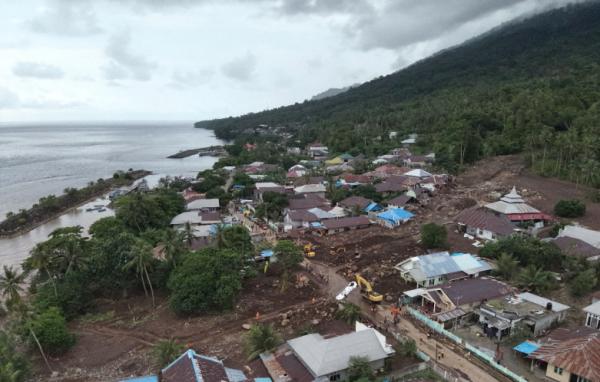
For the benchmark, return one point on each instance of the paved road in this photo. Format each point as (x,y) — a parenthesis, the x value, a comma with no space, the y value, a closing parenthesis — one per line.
(452,358)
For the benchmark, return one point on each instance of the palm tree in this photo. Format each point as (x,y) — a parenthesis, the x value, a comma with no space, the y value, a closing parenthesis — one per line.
(173,246)
(261,338)
(11,285)
(535,279)
(141,259)
(507,266)
(42,262)
(188,234)
(348,313)
(221,237)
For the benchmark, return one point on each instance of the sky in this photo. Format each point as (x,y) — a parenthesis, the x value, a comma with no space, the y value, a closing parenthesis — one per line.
(71,60)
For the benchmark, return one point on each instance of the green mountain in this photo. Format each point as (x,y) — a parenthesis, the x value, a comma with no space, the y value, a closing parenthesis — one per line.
(531,86)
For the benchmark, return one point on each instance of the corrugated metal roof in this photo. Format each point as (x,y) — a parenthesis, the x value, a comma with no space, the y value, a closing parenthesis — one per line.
(324,356)
(593,309)
(580,355)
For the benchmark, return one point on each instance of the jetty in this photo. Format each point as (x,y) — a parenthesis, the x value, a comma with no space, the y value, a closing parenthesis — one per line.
(214,151)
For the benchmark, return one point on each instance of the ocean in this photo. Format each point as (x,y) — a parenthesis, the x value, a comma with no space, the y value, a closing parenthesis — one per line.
(37,160)
(41,159)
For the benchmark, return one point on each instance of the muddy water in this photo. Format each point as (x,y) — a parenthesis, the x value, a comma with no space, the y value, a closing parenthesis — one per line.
(14,250)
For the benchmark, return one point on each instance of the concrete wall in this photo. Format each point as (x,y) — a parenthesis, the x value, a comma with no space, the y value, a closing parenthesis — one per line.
(556,377)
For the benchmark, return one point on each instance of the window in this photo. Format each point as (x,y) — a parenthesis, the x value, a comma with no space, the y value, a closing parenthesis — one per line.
(558,370)
(581,379)
(334,377)
(431,281)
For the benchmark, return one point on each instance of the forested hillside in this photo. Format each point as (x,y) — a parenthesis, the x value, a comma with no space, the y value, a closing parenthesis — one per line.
(532,86)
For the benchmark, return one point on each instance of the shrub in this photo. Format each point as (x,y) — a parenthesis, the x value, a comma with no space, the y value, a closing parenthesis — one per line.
(570,208)
(13,366)
(526,250)
(166,351)
(348,313)
(72,296)
(50,328)
(359,368)
(433,235)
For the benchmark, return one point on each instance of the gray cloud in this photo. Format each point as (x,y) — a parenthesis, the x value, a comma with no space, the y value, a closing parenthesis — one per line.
(124,63)
(70,18)
(37,70)
(191,78)
(8,98)
(324,7)
(400,23)
(241,68)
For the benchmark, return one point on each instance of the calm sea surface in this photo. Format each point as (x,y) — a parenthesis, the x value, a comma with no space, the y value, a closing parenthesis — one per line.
(37,160)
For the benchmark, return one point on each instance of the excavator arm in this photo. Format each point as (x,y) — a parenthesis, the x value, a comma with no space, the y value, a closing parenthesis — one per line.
(367,290)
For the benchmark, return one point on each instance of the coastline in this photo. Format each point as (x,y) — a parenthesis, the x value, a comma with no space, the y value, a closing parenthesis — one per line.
(136,175)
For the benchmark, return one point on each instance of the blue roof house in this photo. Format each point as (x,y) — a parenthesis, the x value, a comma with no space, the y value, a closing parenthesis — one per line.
(393,217)
(373,207)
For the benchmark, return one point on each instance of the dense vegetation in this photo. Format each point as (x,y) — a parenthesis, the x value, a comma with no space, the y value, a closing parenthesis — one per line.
(528,87)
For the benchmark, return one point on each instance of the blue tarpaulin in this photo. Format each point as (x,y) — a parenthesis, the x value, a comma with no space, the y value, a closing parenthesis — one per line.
(372,207)
(149,378)
(316,225)
(395,215)
(266,253)
(526,347)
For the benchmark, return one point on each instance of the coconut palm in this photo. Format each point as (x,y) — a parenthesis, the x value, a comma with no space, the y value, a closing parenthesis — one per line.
(11,286)
(348,312)
(535,279)
(261,338)
(141,259)
(42,262)
(506,266)
(173,246)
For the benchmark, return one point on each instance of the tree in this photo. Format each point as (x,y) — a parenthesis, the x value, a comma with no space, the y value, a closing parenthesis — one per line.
(11,286)
(535,279)
(51,331)
(569,208)
(359,368)
(527,251)
(409,348)
(272,206)
(142,259)
(583,283)
(433,235)
(289,256)
(166,351)
(507,266)
(173,246)
(261,338)
(107,227)
(348,312)
(206,280)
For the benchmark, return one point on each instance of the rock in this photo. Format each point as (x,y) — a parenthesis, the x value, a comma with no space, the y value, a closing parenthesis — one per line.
(389,298)
(55,374)
(315,322)
(285,322)
(246,326)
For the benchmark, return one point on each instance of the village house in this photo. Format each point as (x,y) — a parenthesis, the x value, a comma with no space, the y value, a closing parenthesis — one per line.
(393,185)
(315,189)
(583,234)
(571,246)
(456,300)
(482,223)
(499,317)
(293,150)
(385,171)
(317,151)
(298,219)
(353,204)
(517,211)
(393,217)
(592,311)
(441,267)
(339,168)
(570,355)
(416,161)
(261,188)
(297,171)
(193,367)
(314,357)
(399,201)
(206,205)
(333,226)
(352,180)
(306,202)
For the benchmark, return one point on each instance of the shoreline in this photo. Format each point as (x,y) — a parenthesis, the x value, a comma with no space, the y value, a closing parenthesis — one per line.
(139,174)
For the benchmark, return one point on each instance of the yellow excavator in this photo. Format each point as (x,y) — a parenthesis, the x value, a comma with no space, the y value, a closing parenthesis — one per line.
(309,250)
(366,290)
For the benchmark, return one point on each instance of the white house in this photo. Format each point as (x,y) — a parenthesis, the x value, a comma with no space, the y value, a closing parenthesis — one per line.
(592,319)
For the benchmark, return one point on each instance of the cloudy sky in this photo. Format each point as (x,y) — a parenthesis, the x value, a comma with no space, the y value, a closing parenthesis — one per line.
(194,59)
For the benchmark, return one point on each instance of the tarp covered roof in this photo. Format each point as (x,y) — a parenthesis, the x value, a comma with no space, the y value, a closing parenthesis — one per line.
(395,215)
(526,347)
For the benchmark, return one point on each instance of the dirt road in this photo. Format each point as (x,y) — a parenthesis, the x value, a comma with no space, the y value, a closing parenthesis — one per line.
(451,358)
